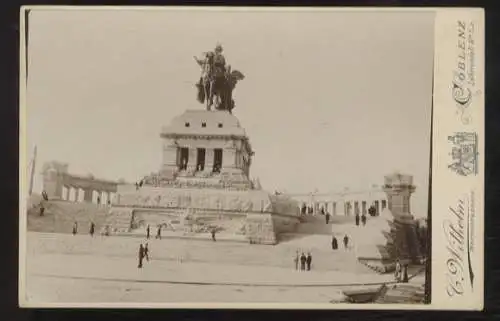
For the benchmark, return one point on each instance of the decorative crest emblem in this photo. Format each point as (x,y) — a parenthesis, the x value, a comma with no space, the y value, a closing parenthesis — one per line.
(463,153)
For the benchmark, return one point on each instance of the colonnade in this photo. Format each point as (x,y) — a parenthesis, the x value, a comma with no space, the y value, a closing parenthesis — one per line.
(89,195)
(342,207)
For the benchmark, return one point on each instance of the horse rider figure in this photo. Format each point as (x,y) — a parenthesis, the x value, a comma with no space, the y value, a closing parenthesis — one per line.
(213,67)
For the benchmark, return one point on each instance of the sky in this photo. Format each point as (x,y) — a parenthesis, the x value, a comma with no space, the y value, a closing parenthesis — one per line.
(330,99)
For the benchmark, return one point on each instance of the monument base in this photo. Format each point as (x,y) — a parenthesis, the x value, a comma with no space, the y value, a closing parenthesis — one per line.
(254,214)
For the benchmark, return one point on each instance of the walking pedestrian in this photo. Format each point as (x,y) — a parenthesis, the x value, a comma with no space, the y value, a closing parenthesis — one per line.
(334,243)
(92,229)
(158,232)
(141,256)
(147,231)
(346,242)
(309,261)
(213,234)
(146,251)
(327,217)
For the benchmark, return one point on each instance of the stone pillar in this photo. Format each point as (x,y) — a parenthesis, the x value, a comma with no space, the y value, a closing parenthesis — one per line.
(67,192)
(191,166)
(87,195)
(229,158)
(170,155)
(399,188)
(77,194)
(209,159)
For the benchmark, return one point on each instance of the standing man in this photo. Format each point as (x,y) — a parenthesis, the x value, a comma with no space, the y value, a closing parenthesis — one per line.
(75,228)
(147,231)
(405,273)
(363,219)
(141,256)
(309,261)
(357,219)
(303,260)
(146,251)
(327,217)
(213,234)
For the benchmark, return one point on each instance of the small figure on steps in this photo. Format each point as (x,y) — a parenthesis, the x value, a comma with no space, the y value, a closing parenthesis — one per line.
(75,228)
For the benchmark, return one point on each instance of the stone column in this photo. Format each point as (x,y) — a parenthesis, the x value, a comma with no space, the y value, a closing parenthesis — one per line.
(399,188)
(77,194)
(191,166)
(67,192)
(170,155)
(209,159)
(229,158)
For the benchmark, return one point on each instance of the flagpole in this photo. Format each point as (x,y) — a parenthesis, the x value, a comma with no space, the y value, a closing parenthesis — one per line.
(32,174)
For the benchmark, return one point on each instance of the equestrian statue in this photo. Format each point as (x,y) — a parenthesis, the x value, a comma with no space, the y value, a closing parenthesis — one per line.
(217,81)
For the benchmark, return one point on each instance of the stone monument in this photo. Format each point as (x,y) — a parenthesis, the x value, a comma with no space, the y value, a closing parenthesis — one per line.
(206,171)
(392,235)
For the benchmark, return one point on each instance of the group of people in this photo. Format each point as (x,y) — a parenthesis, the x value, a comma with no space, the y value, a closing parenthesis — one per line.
(310,211)
(91,228)
(401,272)
(357,219)
(159,228)
(304,260)
(158,232)
(335,244)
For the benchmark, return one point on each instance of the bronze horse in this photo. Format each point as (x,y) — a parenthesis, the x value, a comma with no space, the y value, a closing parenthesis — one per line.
(218,85)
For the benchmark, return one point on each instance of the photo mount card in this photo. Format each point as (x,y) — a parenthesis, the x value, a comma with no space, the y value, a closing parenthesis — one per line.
(251,158)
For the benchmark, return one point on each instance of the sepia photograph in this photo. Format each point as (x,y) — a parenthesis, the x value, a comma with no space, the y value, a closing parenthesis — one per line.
(213,156)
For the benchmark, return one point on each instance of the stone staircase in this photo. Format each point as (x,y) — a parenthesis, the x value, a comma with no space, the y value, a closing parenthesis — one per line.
(314,224)
(59,216)
(119,221)
(406,293)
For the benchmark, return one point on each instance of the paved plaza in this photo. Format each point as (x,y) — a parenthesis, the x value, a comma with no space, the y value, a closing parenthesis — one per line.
(67,268)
